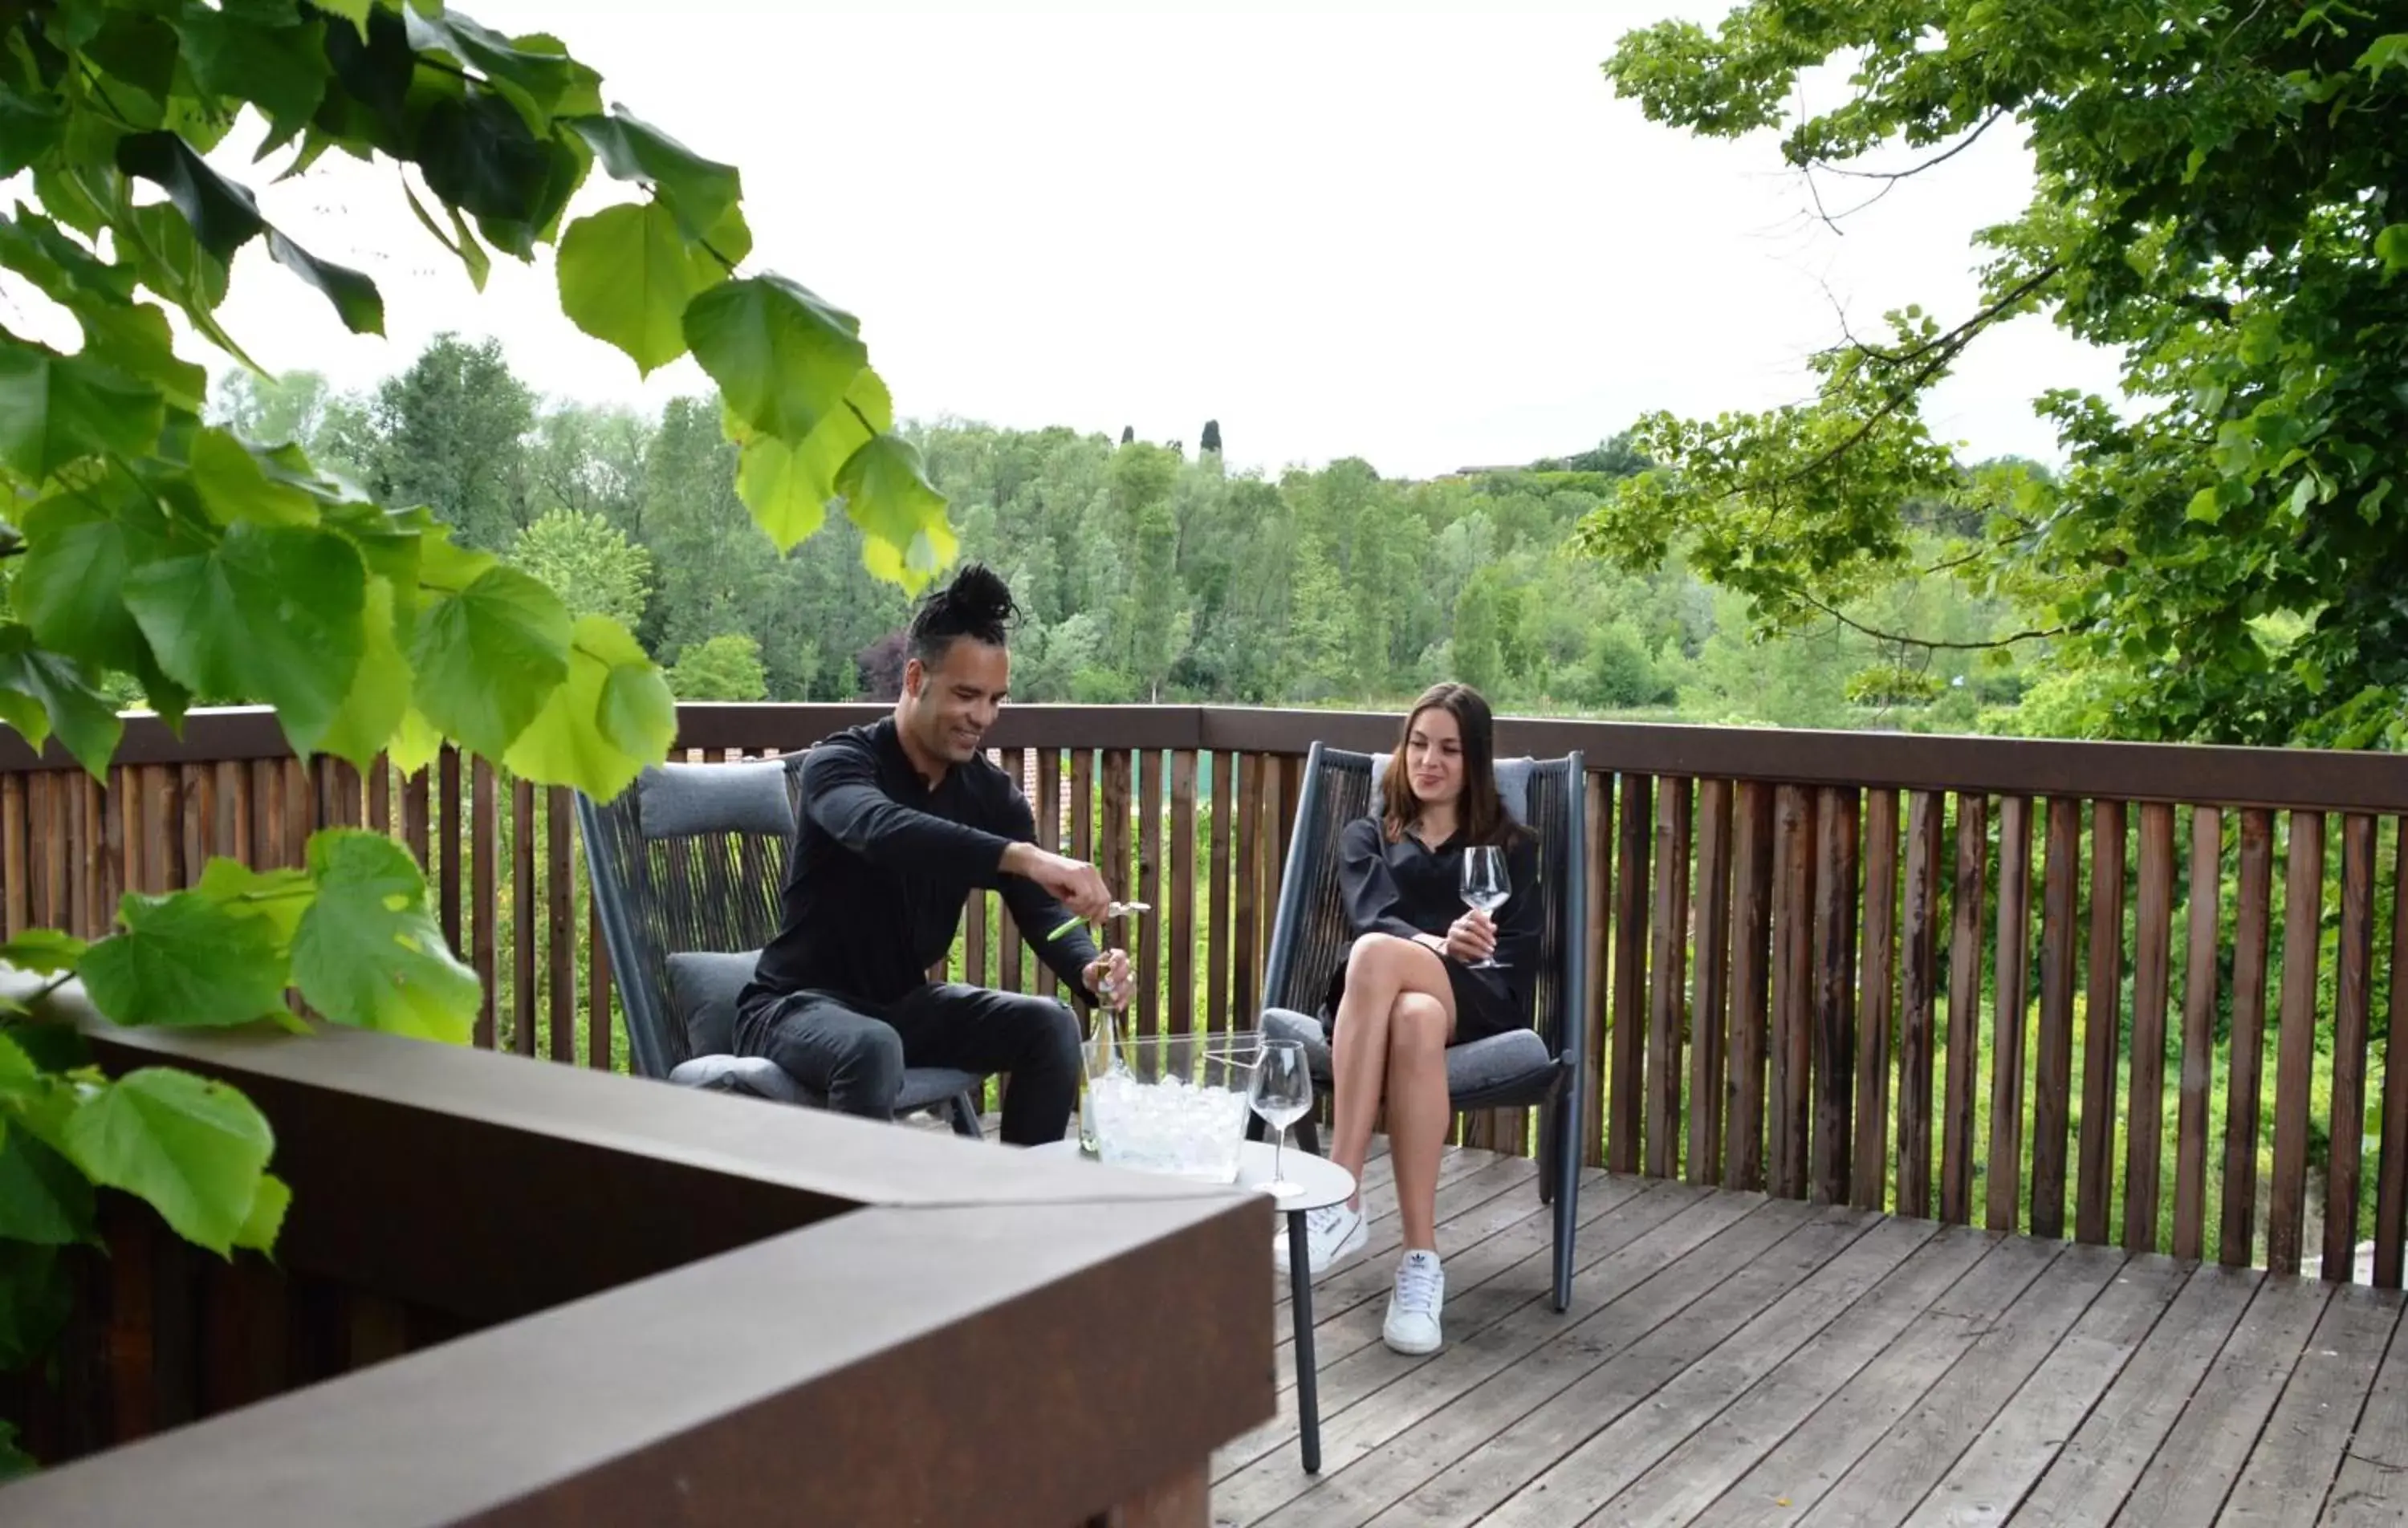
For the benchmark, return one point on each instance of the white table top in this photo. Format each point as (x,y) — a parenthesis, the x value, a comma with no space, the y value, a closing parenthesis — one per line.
(1323,1181)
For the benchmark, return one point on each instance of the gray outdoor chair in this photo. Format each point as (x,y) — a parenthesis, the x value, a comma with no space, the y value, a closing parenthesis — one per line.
(1528,1067)
(687,864)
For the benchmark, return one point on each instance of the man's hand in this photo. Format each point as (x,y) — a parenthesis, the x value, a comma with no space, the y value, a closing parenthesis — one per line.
(1076,884)
(1108,977)
(1472,936)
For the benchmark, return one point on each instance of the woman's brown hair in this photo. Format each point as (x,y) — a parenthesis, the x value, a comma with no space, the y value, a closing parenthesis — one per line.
(1481,817)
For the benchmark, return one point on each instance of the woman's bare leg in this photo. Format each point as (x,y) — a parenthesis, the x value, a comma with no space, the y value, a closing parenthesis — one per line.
(1418,1110)
(1378,969)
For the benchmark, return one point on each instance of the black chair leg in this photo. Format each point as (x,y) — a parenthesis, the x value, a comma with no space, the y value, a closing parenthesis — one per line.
(965,1116)
(1548,1114)
(1565,1169)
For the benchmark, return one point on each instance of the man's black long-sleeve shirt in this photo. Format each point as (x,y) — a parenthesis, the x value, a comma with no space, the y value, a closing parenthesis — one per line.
(883,865)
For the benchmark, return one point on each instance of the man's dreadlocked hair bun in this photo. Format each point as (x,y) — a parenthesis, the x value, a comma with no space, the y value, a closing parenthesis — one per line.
(977,604)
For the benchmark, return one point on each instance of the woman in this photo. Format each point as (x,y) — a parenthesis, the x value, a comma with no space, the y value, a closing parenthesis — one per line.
(1407,988)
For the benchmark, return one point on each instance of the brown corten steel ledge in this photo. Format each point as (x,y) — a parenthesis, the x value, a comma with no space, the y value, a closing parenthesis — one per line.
(2279,779)
(701,1309)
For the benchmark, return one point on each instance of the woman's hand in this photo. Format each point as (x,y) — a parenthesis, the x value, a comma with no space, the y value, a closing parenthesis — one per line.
(1472,936)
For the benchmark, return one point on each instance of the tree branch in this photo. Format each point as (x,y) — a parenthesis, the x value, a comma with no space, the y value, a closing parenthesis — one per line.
(1997,113)
(1928,643)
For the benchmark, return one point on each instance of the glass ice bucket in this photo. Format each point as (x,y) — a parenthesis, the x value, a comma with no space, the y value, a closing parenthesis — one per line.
(1171,1104)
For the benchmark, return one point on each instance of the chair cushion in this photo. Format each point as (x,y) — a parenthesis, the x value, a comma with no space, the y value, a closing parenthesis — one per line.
(703,989)
(1513,782)
(1483,1066)
(680,799)
(757,1076)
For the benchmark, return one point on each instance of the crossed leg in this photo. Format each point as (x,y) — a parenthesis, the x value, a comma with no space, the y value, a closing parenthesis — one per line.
(1392,1023)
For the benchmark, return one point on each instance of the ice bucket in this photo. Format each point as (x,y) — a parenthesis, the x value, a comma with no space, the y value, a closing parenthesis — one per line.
(1173,1102)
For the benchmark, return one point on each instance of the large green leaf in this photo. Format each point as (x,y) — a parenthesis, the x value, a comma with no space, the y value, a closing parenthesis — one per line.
(626,275)
(45,951)
(274,897)
(782,357)
(488,657)
(612,716)
(280,68)
(222,215)
(43,1199)
(367,951)
(272,612)
(31,127)
(788,487)
(379,691)
(41,693)
(133,338)
(477,154)
(701,193)
(194,1149)
(266,1221)
(70,585)
(886,492)
(56,408)
(356,300)
(542,78)
(236,487)
(186,961)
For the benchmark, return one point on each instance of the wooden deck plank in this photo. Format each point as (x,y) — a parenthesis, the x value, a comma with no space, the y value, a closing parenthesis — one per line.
(1381,1474)
(1626,1388)
(1618,1246)
(2187,1480)
(1403,1390)
(1787,1483)
(1693,1476)
(1892,1478)
(1612,1458)
(1994,1475)
(1510,1181)
(2087,1482)
(2371,1491)
(2300,1454)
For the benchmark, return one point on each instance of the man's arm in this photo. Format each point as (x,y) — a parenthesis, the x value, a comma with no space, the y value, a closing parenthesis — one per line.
(841,794)
(1038,912)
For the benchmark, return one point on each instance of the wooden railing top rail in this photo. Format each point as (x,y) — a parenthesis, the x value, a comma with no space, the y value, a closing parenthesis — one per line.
(706,1310)
(2282,779)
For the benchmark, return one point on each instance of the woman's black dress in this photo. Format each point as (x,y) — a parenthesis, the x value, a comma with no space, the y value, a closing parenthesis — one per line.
(1406,888)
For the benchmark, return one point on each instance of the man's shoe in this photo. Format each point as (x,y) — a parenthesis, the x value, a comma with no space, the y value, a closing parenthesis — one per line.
(1331,1234)
(1412,1327)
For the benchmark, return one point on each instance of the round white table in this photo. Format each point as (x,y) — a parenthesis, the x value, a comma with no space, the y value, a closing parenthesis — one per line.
(1324,1183)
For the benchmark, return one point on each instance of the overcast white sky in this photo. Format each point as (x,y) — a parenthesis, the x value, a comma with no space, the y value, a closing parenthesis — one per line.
(1427,239)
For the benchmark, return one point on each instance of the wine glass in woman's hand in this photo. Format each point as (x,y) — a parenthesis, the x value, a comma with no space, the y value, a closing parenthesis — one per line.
(1484,887)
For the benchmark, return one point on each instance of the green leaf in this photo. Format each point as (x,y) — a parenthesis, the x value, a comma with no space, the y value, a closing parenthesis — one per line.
(379,689)
(222,215)
(135,339)
(266,1221)
(272,612)
(367,951)
(282,69)
(186,961)
(571,742)
(906,538)
(45,951)
(356,300)
(2391,245)
(41,693)
(415,743)
(43,1199)
(782,358)
(353,11)
(69,587)
(235,486)
(488,657)
(2206,506)
(626,275)
(701,193)
(2389,52)
(14,1461)
(479,155)
(787,488)
(36,1300)
(194,1149)
(55,409)
(31,128)
(544,76)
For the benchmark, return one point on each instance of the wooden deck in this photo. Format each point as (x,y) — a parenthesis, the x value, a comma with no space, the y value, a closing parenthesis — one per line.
(1731,1359)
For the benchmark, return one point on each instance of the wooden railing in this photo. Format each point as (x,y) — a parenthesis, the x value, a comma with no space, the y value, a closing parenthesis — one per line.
(520,1294)
(1799,940)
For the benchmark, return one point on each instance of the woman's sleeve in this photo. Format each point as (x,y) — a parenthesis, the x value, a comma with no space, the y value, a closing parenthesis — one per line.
(1365,885)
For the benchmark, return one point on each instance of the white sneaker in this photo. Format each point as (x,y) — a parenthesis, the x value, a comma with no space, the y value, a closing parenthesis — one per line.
(1411,1326)
(1332,1232)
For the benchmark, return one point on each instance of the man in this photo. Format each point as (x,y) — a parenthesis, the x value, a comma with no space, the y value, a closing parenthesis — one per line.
(901,819)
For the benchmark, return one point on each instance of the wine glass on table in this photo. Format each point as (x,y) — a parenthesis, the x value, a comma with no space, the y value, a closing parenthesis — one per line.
(1281,1091)
(1484,887)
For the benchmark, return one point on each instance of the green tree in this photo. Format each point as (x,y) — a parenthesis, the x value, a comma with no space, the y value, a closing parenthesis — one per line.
(2216,196)
(584,560)
(451,435)
(726,667)
(151,545)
